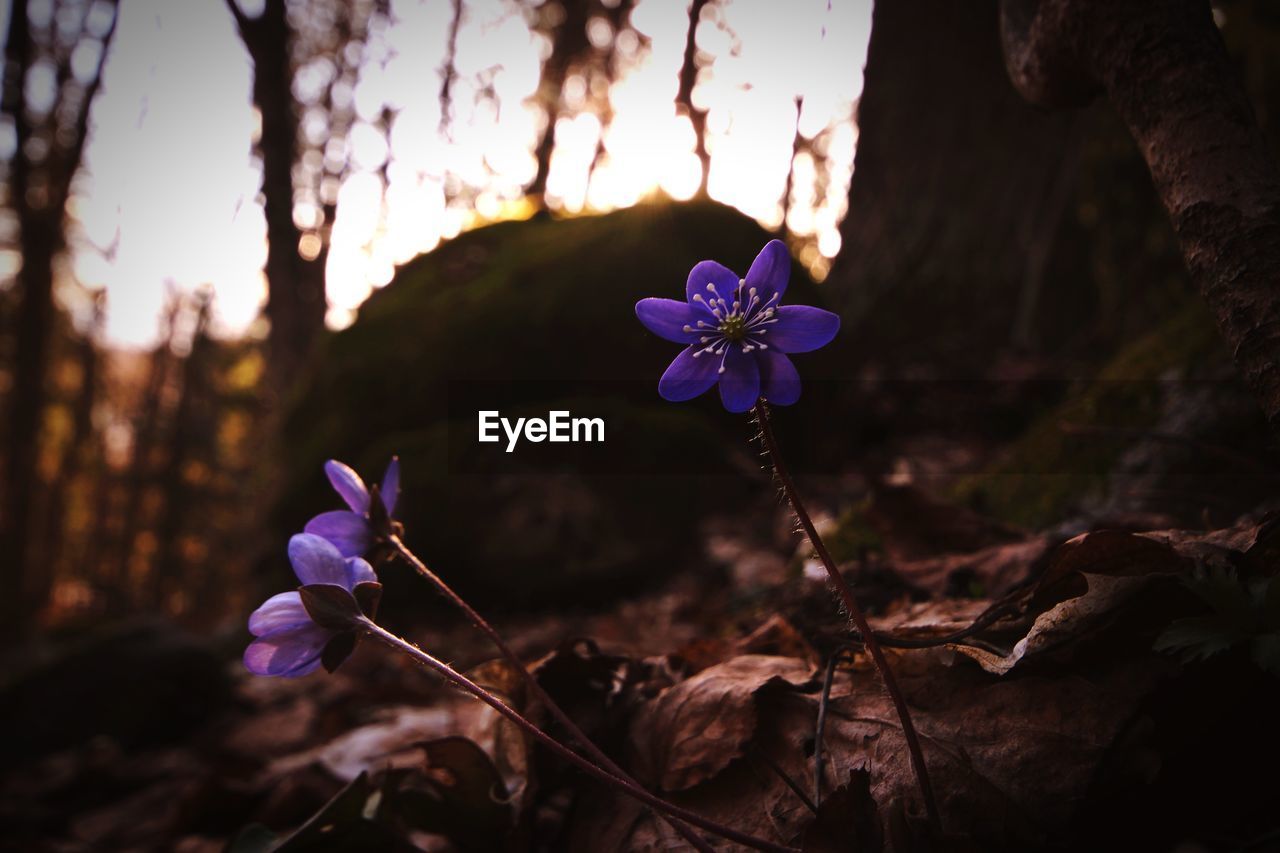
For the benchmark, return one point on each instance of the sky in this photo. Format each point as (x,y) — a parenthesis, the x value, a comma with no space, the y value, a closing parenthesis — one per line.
(169,193)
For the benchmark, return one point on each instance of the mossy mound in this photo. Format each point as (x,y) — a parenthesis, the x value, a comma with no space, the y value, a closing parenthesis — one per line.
(524,318)
(1066,457)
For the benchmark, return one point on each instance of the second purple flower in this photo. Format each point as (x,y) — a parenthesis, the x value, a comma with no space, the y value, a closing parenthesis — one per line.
(371,518)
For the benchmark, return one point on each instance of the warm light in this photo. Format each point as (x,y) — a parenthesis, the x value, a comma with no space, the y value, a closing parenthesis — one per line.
(171,192)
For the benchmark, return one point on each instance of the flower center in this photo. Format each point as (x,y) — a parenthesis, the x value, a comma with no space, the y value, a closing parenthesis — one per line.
(742,322)
(734,327)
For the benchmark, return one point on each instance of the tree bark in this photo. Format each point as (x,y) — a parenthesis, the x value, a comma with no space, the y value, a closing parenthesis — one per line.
(952,186)
(1165,69)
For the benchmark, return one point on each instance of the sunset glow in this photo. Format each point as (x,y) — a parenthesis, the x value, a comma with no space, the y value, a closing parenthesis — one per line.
(135,236)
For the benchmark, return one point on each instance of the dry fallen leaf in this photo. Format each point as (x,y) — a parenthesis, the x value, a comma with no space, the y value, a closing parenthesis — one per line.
(693,730)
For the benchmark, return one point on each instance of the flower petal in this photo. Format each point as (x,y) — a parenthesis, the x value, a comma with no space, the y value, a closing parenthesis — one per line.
(801,328)
(740,382)
(390,489)
(290,652)
(344,530)
(348,484)
(667,318)
(277,613)
(359,571)
(779,380)
(771,270)
(687,376)
(315,560)
(710,272)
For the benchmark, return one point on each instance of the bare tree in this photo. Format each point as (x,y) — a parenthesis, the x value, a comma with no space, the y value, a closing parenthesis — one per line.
(684,95)
(49,118)
(187,443)
(449,71)
(141,467)
(566,24)
(302,167)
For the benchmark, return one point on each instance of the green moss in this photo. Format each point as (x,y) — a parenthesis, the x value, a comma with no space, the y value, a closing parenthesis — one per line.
(1053,467)
(525,317)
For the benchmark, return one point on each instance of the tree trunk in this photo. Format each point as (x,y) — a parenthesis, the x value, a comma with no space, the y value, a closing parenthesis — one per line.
(167,573)
(295,287)
(81,450)
(141,467)
(951,188)
(1166,70)
(568,44)
(684,95)
(38,190)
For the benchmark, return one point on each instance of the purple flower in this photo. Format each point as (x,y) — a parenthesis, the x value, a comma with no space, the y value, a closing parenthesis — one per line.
(289,641)
(354,532)
(737,332)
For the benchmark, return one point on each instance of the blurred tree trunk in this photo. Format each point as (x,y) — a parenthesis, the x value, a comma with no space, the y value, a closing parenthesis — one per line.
(449,71)
(619,18)
(83,447)
(295,286)
(951,184)
(1165,69)
(141,466)
(167,572)
(49,147)
(684,95)
(568,44)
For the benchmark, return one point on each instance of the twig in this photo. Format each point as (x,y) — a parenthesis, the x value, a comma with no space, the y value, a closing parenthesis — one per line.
(786,780)
(985,620)
(820,728)
(854,612)
(630,788)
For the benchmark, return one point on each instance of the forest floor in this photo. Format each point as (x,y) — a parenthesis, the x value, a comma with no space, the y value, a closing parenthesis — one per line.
(1108,683)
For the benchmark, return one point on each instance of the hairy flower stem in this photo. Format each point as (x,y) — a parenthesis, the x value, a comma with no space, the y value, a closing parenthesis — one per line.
(854,612)
(598,755)
(628,787)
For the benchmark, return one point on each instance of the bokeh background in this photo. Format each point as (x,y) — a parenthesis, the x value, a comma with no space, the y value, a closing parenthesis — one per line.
(240,238)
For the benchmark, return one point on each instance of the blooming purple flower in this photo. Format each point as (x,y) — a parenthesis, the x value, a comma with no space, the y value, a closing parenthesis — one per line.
(289,642)
(354,532)
(737,332)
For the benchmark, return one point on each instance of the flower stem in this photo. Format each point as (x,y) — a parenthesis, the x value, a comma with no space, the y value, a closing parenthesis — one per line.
(628,787)
(535,688)
(854,612)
